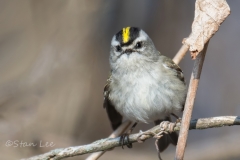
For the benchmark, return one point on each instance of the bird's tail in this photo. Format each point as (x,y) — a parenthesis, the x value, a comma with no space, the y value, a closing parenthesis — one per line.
(166,139)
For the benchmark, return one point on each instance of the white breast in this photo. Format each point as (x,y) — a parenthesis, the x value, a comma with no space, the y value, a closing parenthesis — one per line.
(145,95)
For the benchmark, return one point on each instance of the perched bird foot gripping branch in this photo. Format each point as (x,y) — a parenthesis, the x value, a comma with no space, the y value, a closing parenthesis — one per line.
(126,135)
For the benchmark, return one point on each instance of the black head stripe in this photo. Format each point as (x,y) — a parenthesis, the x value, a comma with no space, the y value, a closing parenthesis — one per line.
(134,33)
(119,37)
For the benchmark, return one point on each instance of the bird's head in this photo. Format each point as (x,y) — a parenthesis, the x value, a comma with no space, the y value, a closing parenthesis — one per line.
(131,47)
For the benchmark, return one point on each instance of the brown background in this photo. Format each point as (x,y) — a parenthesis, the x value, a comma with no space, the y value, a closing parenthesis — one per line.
(54,64)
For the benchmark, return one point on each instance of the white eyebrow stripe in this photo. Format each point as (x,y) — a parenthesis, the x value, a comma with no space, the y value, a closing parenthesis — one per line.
(141,38)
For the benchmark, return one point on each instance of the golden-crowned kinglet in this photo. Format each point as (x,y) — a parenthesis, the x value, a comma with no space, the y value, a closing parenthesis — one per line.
(144,85)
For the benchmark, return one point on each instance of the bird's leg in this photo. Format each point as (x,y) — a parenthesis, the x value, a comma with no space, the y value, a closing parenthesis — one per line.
(122,138)
(179,120)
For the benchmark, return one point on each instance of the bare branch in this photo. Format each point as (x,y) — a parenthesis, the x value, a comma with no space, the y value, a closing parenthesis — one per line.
(119,131)
(187,113)
(208,17)
(109,143)
(181,53)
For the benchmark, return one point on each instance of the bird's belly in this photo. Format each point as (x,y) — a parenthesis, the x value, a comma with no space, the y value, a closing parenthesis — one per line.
(145,107)
(144,102)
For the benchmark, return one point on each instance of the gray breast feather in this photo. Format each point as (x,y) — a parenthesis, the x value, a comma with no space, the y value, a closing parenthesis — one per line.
(147,95)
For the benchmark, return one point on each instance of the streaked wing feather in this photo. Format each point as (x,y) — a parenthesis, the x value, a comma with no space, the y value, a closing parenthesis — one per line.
(167,62)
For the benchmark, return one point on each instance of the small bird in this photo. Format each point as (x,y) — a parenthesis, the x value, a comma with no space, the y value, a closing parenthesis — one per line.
(144,85)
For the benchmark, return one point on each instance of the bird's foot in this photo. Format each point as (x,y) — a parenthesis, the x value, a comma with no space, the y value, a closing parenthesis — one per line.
(167,127)
(122,140)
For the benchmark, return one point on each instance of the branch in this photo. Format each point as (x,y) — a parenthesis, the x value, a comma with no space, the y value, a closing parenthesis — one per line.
(119,131)
(208,17)
(109,143)
(180,54)
(188,107)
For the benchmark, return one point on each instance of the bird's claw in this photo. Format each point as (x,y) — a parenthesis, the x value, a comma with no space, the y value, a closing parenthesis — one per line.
(167,127)
(122,140)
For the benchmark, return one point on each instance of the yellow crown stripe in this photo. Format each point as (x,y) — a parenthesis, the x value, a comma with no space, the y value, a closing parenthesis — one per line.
(126,34)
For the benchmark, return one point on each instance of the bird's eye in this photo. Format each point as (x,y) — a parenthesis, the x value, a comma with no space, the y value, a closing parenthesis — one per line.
(138,45)
(118,49)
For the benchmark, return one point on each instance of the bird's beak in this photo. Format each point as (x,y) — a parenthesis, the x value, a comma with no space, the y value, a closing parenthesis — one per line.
(128,51)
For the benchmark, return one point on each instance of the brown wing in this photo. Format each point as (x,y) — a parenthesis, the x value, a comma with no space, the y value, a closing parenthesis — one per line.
(114,117)
(167,62)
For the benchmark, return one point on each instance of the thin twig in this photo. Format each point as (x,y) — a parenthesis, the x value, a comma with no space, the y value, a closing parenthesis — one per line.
(109,143)
(187,113)
(181,53)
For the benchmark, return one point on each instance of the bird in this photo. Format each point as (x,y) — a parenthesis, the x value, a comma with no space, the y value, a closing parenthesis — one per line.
(144,86)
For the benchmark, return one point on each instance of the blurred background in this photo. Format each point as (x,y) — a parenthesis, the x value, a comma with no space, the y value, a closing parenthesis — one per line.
(54,65)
